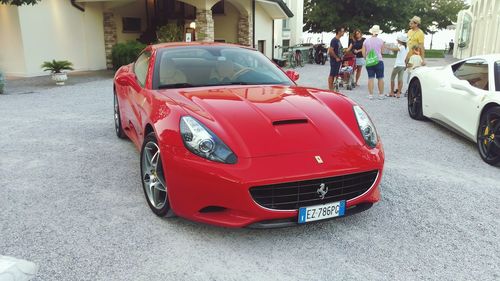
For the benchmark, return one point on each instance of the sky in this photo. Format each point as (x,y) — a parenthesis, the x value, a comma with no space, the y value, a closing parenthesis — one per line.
(440,39)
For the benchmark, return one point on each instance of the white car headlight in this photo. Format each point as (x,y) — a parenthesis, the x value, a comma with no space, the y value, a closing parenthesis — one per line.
(201,141)
(366,127)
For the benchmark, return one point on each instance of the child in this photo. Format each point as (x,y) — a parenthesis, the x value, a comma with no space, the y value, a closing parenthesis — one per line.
(346,71)
(399,65)
(414,62)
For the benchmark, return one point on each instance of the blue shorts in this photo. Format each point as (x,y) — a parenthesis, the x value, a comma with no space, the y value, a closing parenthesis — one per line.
(376,70)
(334,67)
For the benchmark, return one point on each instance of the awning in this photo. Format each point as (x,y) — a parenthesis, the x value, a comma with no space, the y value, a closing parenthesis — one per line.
(277,9)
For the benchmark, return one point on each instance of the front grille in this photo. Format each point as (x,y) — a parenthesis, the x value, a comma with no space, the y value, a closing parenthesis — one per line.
(293,195)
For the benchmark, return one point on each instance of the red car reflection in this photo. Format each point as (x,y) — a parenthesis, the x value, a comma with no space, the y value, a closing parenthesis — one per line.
(228,138)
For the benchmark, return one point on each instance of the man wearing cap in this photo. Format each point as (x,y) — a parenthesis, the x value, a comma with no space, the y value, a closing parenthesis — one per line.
(415,37)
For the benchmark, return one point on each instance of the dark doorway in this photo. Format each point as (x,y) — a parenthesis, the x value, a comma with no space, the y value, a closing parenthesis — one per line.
(161,12)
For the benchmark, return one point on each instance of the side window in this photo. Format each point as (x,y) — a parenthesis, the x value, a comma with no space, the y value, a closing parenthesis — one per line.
(474,71)
(497,76)
(141,67)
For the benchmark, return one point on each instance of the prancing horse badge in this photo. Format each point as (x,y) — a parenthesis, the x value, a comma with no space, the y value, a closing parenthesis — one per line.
(319,160)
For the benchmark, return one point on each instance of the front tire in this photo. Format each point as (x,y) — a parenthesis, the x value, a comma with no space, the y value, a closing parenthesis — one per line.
(415,100)
(488,136)
(118,121)
(153,176)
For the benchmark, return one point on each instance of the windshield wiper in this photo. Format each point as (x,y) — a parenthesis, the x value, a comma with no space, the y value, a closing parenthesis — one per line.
(177,85)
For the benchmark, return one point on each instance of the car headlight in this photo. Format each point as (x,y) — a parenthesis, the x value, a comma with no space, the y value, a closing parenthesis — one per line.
(201,141)
(366,127)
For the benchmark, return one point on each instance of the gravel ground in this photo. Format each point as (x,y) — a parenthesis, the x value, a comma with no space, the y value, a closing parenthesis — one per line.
(71,201)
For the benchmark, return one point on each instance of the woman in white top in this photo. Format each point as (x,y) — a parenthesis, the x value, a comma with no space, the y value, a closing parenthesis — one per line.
(399,65)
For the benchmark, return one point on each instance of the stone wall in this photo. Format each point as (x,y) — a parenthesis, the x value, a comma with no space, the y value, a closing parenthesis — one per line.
(245,31)
(110,38)
(204,26)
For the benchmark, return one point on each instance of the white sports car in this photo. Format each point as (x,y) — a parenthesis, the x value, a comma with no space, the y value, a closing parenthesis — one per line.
(463,96)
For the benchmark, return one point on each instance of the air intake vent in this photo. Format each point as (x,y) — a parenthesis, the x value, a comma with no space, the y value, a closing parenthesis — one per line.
(293,195)
(292,121)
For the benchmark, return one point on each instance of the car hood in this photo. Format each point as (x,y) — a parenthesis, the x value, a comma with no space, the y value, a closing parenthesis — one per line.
(273,120)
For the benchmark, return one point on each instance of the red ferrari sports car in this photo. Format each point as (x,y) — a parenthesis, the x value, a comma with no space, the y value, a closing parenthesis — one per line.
(228,138)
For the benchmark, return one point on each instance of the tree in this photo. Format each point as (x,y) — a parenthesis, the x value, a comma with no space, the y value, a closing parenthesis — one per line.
(19,2)
(391,15)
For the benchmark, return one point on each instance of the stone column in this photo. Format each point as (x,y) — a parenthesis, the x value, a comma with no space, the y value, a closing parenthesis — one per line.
(245,33)
(110,38)
(204,26)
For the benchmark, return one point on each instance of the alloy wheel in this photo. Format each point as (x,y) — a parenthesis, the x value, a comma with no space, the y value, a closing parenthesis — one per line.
(153,177)
(488,139)
(415,100)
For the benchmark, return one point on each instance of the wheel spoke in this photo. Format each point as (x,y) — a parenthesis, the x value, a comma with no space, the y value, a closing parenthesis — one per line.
(490,118)
(489,149)
(159,186)
(154,159)
(148,156)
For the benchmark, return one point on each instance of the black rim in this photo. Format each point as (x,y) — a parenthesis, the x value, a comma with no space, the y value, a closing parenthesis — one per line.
(414,98)
(489,136)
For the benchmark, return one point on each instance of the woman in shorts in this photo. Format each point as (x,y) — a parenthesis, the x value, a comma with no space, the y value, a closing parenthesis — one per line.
(355,45)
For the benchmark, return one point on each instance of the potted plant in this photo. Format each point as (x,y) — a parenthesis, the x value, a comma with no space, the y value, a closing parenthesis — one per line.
(56,67)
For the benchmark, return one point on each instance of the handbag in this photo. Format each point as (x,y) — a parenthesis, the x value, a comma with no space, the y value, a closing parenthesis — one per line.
(371,58)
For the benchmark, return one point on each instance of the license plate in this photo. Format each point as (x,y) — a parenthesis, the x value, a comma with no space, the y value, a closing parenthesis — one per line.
(321,212)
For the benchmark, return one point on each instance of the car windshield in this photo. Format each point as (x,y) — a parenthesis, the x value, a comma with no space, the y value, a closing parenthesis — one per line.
(197,66)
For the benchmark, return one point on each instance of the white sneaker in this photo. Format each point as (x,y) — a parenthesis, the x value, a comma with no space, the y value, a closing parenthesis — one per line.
(370,97)
(381,97)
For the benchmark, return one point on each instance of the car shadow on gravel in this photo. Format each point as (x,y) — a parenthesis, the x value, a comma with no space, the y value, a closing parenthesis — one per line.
(341,225)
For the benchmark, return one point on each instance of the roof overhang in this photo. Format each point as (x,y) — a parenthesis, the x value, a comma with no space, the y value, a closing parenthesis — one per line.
(277,9)
(108,4)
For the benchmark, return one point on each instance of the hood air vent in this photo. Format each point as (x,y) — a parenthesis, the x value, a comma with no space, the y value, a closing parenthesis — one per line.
(291,121)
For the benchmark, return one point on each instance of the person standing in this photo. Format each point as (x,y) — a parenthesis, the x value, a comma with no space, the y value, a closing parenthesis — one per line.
(376,44)
(451,45)
(355,45)
(399,65)
(335,52)
(415,38)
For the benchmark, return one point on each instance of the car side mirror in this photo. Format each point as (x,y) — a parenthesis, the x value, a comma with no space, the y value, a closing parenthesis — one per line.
(128,79)
(292,75)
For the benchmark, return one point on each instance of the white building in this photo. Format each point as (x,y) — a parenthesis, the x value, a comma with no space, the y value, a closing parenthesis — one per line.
(478,29)
(84,31)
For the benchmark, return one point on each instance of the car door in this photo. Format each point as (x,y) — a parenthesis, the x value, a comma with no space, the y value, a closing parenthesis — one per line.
(136,92)
(467,87)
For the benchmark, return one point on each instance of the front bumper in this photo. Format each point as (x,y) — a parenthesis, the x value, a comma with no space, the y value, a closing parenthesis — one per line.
(214,193)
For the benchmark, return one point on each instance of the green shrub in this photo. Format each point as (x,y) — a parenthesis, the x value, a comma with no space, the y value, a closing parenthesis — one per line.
(169,33)
(125,53)
(2,83)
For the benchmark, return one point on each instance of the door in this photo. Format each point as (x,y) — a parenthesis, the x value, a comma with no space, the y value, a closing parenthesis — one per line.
(467,87)
(136,92)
